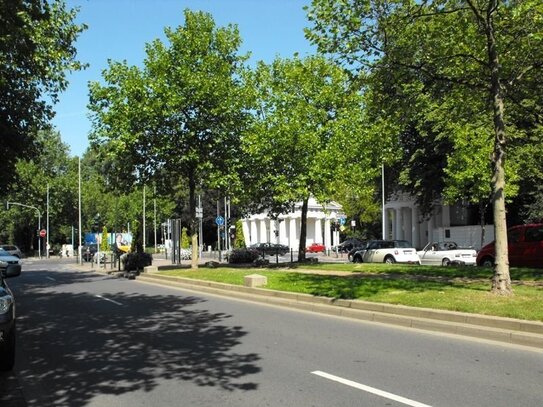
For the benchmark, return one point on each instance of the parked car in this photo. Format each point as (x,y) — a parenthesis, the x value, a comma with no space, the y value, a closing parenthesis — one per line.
(390,251)
(525,245)
(347,245)
(10,266)
(315,248)
(446,253)
(356,254)
(270,249)
(12,249)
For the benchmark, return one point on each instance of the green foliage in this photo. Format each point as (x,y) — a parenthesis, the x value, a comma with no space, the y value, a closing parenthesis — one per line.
(432,79)
(185,240)
(36,49)
(137,239)
(178,117)
(239,241)
(104,243)
(460,77)
(305,137)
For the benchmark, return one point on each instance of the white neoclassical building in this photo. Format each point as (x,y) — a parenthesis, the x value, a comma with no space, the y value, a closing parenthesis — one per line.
(456,223)
(402,220)
(285,229)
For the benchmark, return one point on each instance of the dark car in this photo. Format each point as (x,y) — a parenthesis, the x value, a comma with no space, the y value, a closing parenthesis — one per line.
(7,311)
(270,249)
(349,244)
(88,251)
(356,253)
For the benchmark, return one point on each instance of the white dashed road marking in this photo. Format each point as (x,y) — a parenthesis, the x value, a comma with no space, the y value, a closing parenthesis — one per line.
(107,299)
(369,389)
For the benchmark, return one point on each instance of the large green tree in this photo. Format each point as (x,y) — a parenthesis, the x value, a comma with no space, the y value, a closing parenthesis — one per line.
(180,115)
(36,49)
(457,64)
(302,142)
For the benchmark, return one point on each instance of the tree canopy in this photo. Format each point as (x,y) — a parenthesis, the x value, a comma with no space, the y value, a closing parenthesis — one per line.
(36,50)
(179,116)
(459,72)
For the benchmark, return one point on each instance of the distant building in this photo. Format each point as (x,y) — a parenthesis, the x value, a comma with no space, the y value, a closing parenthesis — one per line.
(458,223)
(285,229)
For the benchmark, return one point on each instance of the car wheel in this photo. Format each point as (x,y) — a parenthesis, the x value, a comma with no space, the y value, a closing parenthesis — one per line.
(487,262)
(357,259)
(7,352)
(445,262)
(390,260)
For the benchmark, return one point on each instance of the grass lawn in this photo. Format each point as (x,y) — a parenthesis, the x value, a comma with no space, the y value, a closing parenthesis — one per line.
(465,289)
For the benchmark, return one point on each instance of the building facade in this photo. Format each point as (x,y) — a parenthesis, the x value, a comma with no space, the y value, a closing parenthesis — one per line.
(402,220)
(285,229)
(458,223)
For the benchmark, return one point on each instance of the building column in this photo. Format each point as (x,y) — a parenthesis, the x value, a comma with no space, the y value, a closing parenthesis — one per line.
(274,237)
(386,219)
(263,231)
(318,231)
(283,236)
(398,224)
(406,224)
(254,231)
(327,242)
(415,228)
(246,226)
(430,236)
(292,240)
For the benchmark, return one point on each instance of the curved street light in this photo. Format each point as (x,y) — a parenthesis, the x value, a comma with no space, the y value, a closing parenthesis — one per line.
(39,220)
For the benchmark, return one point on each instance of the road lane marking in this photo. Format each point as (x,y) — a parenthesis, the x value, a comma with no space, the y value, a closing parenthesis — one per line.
(50,278)
(369,389)
(107,299)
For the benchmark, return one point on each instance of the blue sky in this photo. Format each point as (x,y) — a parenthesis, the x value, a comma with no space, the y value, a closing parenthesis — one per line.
(119,30)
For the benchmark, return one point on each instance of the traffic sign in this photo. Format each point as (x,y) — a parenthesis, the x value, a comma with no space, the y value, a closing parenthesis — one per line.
(43,233)
(219,220)
(342,221)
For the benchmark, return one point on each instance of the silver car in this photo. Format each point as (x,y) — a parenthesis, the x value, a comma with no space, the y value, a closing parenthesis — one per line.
(9,264)
(11,249)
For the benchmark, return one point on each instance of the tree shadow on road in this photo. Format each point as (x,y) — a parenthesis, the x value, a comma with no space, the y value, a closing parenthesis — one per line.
(105,348)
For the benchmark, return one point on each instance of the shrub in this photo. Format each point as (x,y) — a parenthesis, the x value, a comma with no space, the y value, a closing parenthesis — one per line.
(136,261)
(238,256)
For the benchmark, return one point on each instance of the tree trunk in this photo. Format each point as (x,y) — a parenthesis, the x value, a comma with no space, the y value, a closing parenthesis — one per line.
(303,231)
(501,282)
(482,211)
(193,222)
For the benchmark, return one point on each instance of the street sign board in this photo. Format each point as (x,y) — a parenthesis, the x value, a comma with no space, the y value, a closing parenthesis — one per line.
(43,233)
(219,220)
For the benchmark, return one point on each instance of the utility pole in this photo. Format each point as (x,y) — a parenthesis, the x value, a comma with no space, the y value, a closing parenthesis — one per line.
(144,218)
(47,229)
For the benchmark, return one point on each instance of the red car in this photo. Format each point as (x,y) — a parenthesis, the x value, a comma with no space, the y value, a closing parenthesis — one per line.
(315,248)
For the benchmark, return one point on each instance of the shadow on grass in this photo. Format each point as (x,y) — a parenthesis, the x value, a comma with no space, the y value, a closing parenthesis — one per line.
(365,287)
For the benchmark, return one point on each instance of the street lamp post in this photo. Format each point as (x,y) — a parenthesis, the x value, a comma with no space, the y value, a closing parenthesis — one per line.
(39,220)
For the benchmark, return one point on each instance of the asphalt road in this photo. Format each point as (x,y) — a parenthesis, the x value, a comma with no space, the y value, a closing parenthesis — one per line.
(92,340)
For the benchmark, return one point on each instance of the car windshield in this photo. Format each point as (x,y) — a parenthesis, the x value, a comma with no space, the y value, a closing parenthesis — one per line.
(403,244)
(4,253)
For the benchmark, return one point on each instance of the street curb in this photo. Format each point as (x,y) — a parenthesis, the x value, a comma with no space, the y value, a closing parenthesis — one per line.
(505,330)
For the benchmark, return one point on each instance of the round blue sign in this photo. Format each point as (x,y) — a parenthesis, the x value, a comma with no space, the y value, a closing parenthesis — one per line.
(342,221)
(219,220)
